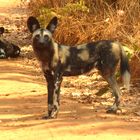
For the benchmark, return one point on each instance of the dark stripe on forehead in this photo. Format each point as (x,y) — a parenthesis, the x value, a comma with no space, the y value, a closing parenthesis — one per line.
(41,32)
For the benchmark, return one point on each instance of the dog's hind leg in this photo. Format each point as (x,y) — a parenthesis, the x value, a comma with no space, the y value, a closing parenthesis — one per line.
(116,92)
(109,75)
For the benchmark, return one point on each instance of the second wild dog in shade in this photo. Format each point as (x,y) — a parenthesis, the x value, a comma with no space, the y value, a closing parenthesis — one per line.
(7,49)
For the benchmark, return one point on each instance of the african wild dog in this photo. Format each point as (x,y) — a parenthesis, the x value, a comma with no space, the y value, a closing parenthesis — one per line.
(7,49)
(59,60)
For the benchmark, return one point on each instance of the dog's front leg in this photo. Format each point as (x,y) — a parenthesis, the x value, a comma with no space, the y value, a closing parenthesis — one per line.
(49,76)
(54,80)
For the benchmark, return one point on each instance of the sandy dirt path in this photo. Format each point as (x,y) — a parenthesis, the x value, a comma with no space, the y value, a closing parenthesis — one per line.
(23,102)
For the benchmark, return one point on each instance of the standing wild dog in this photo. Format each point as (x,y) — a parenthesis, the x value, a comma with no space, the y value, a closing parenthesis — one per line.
(7,49)
(59,60)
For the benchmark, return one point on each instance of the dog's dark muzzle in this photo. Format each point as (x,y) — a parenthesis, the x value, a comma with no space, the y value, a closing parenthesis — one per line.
(42,42)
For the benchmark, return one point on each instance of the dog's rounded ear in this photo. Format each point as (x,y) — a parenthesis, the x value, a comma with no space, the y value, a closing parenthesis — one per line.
(32,24)
(2,30)
(52,24)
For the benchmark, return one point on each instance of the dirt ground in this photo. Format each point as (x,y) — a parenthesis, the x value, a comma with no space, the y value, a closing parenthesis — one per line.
(23,98)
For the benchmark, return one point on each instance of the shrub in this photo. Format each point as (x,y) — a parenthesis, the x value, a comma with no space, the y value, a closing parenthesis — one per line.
(81,21)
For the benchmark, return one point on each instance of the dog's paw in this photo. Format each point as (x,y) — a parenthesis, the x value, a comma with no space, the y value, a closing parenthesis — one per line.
(48,117)
(113,110)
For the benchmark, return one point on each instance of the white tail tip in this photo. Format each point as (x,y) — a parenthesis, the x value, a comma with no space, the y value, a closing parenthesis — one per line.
(126,80)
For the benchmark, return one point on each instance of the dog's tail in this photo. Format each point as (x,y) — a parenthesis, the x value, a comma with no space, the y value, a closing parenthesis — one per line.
(125,70)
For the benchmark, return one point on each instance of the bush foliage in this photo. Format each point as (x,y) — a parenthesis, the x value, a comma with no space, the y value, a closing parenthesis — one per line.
(81,21)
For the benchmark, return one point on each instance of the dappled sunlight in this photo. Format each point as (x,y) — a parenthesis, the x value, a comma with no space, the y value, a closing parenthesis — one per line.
(12,117)
(16,87)
(9,3)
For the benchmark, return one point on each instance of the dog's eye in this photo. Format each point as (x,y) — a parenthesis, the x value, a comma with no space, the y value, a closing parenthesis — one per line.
(37,36)
(46,37)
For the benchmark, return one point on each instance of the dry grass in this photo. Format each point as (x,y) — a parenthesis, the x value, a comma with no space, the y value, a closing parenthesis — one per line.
(104,19)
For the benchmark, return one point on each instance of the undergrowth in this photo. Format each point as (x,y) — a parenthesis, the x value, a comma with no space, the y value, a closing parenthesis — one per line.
(81,21)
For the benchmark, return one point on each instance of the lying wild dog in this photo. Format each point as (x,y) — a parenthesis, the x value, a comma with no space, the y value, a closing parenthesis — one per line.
(59,60)
(7,49)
